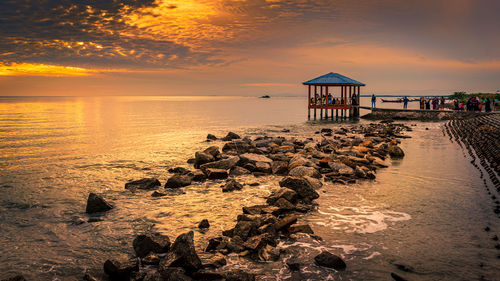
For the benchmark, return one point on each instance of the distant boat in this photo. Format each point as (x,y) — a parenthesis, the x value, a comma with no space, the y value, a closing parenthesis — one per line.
(265,97)
(400,100)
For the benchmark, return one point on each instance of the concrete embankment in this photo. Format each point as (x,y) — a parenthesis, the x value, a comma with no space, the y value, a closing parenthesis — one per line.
(422,115)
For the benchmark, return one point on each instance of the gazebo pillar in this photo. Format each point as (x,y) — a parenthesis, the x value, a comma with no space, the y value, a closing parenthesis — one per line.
(309,102)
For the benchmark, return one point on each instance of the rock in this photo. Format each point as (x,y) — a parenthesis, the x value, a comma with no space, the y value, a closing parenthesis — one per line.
(231,136)
(315,183)
(262,167)
(289,194)
(232,185)
(202,158)
(237,146)
(268,253)
(182,254)
(120,270)
(253,158)
(15,278)
(380,163)
(177,181)
(212,260)
(336,166)
(284,205)
(396,152)
(211,137)
(303,171)
(293,264)
(238,171)
(302,228)
(213,150)
(179,170)
(279,168)
(326,131)
(197,176)
(285,222)
(244,229)
(216,174)
(224,164)
(146,183)
(346,171)
(152,242)
(301,186)
(330,260)
(254,243)
(204,224)
(358,172)
(96,204)
(156,193)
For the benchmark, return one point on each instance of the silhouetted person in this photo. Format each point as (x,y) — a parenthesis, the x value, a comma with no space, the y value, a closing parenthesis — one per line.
(374,100)
(405,102)
(487,105)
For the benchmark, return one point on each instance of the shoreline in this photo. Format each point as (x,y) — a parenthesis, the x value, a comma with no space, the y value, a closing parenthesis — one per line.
(341,157)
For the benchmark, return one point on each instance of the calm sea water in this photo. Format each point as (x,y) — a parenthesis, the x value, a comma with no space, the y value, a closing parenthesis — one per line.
(427,211)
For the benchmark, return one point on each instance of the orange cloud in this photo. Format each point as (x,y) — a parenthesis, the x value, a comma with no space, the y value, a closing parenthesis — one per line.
(270,85)
(37,69)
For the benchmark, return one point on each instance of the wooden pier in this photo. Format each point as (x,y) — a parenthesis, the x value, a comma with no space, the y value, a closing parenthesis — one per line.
(322,96)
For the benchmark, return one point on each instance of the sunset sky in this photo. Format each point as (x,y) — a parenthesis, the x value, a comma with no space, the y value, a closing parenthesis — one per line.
(246,47)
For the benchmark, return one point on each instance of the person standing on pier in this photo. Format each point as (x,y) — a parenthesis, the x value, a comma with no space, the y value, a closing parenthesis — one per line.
(374,100)
(405,103)
(487,105)
(441,106)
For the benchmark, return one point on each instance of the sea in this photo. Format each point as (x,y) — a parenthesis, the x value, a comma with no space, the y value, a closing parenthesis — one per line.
(423,218)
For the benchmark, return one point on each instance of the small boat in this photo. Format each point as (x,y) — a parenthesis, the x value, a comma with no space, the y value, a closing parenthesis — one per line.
(398,100)
(265,97)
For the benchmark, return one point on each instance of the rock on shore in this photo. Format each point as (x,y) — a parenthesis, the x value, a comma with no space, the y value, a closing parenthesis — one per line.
(96,204)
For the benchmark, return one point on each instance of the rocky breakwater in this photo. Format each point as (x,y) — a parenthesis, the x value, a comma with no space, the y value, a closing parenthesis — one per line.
(421,115)
(341,156)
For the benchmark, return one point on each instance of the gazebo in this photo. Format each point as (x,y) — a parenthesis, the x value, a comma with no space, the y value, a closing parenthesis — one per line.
(347,100)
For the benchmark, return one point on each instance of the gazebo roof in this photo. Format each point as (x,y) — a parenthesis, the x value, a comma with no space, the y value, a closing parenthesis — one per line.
(333,79)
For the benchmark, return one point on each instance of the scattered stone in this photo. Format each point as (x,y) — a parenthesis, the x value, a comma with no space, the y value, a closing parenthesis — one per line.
(204,224)
(211,137)
(197,176)
(216,174)
(231,185)
(182,254)
(396,152)
(202,158)
(178,181)
(146,183)
(153,242)
(96,204)
(231,136)
(224,164)
(120,270)
(330,260)
(253,158)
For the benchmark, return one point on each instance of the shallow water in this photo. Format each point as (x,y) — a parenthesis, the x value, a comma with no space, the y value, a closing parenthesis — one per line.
(427,211)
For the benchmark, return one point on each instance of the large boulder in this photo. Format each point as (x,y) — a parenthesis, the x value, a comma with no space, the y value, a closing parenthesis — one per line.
(279,167)
(153,242)
(182,254)
(96,204)
(396,152)
(330,260)
(177,181)
(303,171)
(286,193)
(120,269)
(146,183)
(232,185)
(225,164)
(300,185)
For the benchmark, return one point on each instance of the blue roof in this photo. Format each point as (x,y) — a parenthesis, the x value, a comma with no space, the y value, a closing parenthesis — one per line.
(333,79)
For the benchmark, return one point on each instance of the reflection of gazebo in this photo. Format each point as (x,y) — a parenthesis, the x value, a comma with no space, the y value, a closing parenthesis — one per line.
(325,99)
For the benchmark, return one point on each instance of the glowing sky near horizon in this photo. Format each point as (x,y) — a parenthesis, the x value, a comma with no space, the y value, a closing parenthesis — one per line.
(246,47)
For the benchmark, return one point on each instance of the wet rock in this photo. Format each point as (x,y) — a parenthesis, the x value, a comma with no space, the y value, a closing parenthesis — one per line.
(96,204)
(202,158)
(231,136)
(337,166)
(237,146)
(151,259)
(214,243)
(314,182)
(157,193)
(302,228)
(15,278)
(286,193)
(224,164)
(146,183)
(396,152)
(211,137)
(253,158)
(238,171)
(262,167)
(284,205)
(285,222)
(279,167)
(216,174)
(204,224)
(197,176)
(303,171)
(268,253)
(256,242)
(232,185)
(152,242)
(330,260)
(179,170)
(301,186)
(212,260)
(244,229)
(178,181)
(122,269)
(182,254)
(358,172)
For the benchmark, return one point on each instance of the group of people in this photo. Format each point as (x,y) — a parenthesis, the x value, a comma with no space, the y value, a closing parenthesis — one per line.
(435,102)
(330,100)
(475,104)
